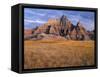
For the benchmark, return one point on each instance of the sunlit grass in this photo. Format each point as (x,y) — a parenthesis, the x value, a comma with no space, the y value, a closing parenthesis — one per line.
(47,54)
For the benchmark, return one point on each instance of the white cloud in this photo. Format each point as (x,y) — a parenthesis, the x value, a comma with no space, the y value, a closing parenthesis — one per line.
(40,14)
(28,21)
(30,11)
(33,21)
(39,21)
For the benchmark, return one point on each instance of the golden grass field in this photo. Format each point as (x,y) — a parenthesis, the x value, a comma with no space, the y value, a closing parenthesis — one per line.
(48,54)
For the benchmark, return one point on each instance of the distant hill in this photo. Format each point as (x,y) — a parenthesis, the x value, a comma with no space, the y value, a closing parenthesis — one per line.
(61,28)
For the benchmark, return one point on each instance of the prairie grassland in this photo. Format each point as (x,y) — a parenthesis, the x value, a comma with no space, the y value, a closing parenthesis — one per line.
(47,54)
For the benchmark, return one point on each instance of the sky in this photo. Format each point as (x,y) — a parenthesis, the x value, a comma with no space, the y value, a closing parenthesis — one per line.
(34,17)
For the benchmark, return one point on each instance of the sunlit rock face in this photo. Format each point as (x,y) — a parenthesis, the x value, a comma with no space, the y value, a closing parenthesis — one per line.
(61,28)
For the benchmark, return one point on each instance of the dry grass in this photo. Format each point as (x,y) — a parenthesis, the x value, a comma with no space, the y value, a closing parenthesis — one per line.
(46,54)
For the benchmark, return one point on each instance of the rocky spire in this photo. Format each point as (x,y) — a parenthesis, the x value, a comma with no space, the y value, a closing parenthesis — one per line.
(78,23)
(63,20)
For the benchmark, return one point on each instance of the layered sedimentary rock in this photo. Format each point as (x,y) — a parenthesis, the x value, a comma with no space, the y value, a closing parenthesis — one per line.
(62,28)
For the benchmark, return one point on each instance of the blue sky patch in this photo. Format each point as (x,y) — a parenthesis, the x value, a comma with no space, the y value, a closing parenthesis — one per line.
(36,17)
